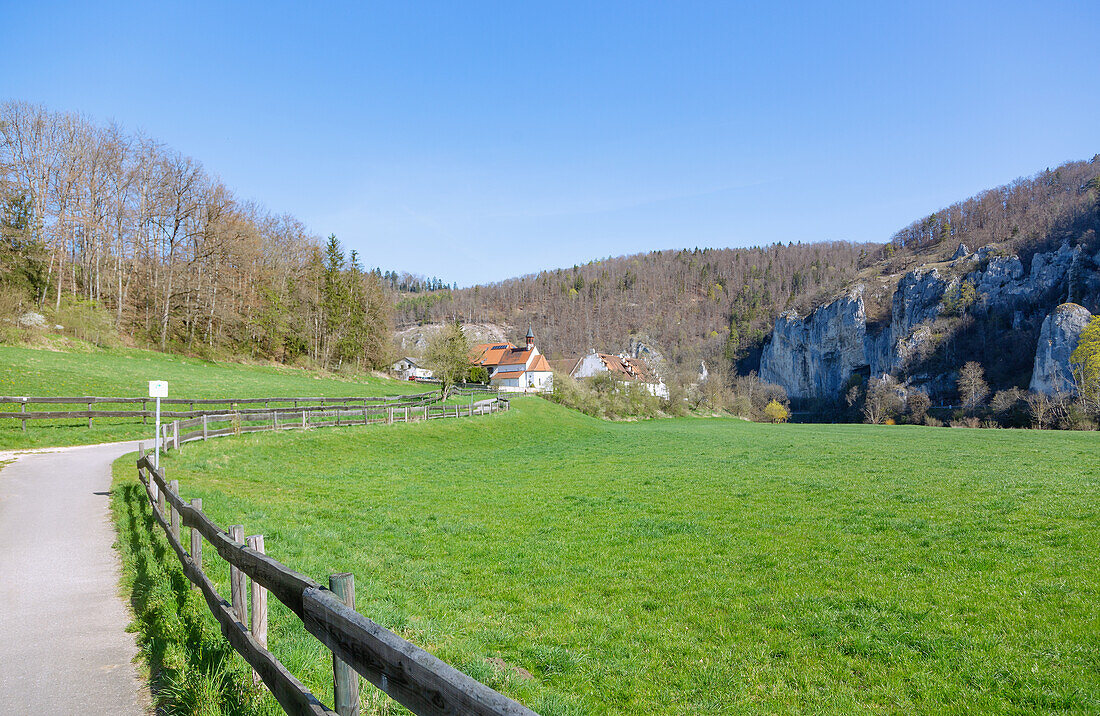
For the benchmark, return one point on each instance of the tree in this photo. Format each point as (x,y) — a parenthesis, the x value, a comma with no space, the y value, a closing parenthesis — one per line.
(448,356)
(22,257)
(918,404)
(881,401)
(1085,363)
(958,298)
(776,412)
(972,386)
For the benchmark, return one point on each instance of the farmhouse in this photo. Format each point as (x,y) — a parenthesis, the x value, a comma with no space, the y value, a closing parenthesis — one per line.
(621,367)
(410,369)
(514,369)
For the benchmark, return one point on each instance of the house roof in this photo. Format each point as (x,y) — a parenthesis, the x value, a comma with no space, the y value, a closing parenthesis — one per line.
(628,368)
(565,365)
(540,364)
(490,353)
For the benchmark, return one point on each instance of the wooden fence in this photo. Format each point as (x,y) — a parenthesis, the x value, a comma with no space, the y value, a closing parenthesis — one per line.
(207,406)
(410,675)
(204,427)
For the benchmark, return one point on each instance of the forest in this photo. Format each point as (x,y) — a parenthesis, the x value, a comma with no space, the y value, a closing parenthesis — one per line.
(99,221)
(692,303)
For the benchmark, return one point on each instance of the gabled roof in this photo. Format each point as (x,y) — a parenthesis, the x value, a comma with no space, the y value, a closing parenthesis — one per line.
(516,356)
(628,368)
(540,364)
(565,365)
(490,354)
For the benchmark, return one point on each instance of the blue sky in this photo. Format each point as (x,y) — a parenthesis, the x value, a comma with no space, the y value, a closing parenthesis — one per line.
(478,141)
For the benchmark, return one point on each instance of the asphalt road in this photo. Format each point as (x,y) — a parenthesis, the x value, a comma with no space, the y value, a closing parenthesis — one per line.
(63,642)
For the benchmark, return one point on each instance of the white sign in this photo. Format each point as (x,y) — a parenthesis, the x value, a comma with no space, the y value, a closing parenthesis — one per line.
(158,389)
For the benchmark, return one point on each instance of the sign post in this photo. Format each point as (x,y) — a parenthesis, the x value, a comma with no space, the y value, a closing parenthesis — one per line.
(157,389)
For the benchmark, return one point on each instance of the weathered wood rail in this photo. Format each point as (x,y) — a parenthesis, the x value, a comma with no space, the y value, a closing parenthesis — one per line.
(176,433)
(207,406)
(410,675)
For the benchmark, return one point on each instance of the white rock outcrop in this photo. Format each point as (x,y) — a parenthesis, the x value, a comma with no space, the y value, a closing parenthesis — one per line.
(814,356)
(1057,341)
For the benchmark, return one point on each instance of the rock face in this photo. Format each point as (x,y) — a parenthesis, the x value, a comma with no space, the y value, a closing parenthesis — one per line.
(1057,341)
(416,338)
(814,356)
(917,300)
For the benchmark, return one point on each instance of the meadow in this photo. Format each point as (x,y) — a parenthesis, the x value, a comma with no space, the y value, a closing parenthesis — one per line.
(681,566)
(126,373)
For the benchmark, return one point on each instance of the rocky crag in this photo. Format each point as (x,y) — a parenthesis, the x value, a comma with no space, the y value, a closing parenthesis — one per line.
(815,356)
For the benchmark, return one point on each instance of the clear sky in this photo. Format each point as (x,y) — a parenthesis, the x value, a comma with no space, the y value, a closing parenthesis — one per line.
(478,141)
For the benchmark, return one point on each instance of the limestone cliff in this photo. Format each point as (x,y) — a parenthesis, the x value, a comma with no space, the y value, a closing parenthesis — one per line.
(1057,341)
(814,356)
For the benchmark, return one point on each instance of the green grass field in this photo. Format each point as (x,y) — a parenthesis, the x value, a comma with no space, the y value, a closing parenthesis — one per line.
(676,566)
(125,373)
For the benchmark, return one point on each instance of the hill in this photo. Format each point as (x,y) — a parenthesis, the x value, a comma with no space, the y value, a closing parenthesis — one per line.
(679,566)
(722,305)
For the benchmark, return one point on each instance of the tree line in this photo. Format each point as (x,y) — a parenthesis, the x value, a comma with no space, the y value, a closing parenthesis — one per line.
(692,304)
(95,214)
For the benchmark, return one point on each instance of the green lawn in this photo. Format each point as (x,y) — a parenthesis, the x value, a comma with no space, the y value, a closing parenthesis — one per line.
(685,566)
(125,373)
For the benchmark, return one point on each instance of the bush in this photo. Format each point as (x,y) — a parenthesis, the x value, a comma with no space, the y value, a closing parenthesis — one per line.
(87,321)
(603,397)
(776,412)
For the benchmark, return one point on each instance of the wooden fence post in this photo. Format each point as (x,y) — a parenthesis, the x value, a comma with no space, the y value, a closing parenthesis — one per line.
(304,426)
(389,416)
(259,605)
(196,537)
(160,496)
(406,413)
(205,431)
(344,679)
(176,434)
(23,409)
(174,488)
(275,419)
(144,417)
(237,579)
(89,414)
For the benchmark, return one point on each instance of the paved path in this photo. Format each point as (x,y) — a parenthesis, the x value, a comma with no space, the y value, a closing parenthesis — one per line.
(63,644)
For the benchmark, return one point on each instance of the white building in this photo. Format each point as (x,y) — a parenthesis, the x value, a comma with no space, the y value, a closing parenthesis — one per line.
(514,369)
(623,368)
(410,369)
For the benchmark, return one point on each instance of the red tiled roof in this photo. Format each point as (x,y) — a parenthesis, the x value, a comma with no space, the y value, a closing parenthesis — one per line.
(491,354)
(628,369)
(540,363)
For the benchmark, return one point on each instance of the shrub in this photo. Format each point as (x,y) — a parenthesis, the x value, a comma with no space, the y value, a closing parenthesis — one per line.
(88,321)
(917,404)
(776,412)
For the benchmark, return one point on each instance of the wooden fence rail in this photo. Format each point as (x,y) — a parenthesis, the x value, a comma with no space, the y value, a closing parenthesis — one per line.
(176,433)
(229,405)
(410,675)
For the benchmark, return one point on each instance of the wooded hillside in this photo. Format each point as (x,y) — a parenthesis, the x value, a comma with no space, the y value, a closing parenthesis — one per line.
(93,213)
(715,303)
(691,303)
